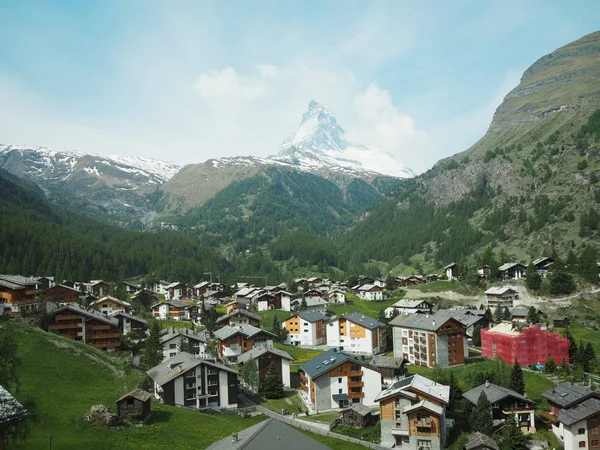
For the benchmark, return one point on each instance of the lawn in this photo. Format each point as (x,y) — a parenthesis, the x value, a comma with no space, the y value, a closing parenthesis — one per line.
(335,444)
(441,286)
(291,401)
(366,307)
(327,417)
(586,333)
(300,355)
(535,383)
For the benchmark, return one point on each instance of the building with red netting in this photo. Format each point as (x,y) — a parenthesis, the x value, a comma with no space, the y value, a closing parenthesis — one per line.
(529,345)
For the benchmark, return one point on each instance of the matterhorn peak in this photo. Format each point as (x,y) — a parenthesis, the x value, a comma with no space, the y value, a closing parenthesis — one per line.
(320,142)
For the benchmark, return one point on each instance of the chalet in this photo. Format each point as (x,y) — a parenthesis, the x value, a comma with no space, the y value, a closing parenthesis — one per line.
(480,441)
(561,322)
(131,288)
(359,416)
(501,296)
(428,341)
(86,325)
(451,271)
(60,294)
(266,301)
(313,293)
(237,304)
(410,307)
(413,413)
(98,288)
(176,340)
(200,289)
(414,280)
(336,379)
(11,413)
(264,357)
(246,293)
(160,287)
(177,291)
(469,318)
(312,304)
(234,341)
(18,294)
(433,277)
(306,328)
(542,265)
(108,305)
(519,314)
(355,332)
(175,310)
(365,280)
(239,317)
(135,404)
(130,324)
(336,296)
(506,402)
(283,298)
(192,382)
(511,271)
(483,272)
(392,369)
(370,292)
(45,283)
(574,415)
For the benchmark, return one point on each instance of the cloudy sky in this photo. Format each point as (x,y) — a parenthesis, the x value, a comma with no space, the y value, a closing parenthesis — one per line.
(187,81)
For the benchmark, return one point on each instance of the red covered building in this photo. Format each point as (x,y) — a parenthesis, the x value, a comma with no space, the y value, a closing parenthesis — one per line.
(527,344)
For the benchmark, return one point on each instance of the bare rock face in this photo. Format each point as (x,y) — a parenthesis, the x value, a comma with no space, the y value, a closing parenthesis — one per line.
(102,416)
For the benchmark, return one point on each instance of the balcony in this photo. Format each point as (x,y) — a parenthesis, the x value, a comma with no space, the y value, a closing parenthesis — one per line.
(106,344)
(352,384)
(358,373)
(425,422)
(64,326)
(106,336)
(59,318)
(99,327)
(552,417)
(356,394)
(303,377)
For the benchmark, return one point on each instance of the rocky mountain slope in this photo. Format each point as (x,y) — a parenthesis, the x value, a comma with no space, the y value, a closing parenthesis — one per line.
(530,185)
(120,186)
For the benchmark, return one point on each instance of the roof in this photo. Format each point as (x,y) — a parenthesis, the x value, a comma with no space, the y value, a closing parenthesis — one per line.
(360,409)
(535,262)
(87,312)
(411,303)
(464,317)
(239,312)
(369,287)
(424,404)
(421,321)
(329,359)
(579,412)
(310,316)
(21,280)
(128,316)
(178,365)
(510,265)
(567,394)
(176,332)
(494,393)
(477,440)
(111,299)
(138,394)
(449,266)
(270,433)
(499,290)
(245,329)
(174,303)
(64,286)
(175,284)
(519,312)
(368,322)
(259,351)
(10,285)
(387,361)
(421,384)
(11,410)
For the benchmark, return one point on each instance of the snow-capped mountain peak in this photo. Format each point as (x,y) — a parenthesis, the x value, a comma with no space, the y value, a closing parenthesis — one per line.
(320,142)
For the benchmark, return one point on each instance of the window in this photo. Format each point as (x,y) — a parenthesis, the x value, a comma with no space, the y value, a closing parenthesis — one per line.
(339,391)
(595,443)
(339,368)
(581,431)
(593,430)
(171,346)
(423,443)
(582,444)
(339,380)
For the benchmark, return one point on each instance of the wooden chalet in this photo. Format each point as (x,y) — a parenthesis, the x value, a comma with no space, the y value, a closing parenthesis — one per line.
(18,294)
(234,341)
(359,416)
(238,317)
(135,404)
(99,288)
(61,294)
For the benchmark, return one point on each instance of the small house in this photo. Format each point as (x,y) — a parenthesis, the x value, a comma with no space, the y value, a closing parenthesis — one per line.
(359,416)
(511,271)
(480,441)
(542,265)
(136,403)
(451,271)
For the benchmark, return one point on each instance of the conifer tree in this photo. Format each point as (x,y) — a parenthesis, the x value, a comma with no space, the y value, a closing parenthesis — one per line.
(455,390)
(497,314)
(272,384)
(533,279)
(533,315)
(154,349)
(275,324)
(476,335)
(182,346)
(513,438)
(517,382)
(589,358)
(572,345)
(550,365)
(481,416)
(506,315)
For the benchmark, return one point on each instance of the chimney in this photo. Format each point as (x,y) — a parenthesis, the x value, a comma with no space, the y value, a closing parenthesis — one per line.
(525,394)
(487,384)
(433,322)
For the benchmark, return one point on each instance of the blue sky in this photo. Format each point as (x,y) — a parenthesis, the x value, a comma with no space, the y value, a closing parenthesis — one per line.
(187,81)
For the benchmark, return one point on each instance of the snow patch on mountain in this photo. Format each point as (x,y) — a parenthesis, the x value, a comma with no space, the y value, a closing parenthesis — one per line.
(320,142)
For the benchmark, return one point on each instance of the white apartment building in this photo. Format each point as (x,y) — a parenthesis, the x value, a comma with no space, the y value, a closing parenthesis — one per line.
(357,333)
(306,328)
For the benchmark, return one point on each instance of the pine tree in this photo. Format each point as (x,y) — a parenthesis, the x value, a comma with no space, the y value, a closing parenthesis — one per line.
(572,345)
(455,390)
(481,416)
(589,358)
(476,335)
(533,279)
(533,315)
(513,438)
(517,382)
(273,385)
(303,305)
(9,363)
(550,365)
(154,349)
(250,374)
(182,346)
(579,358)
(506,315)
(497,314)
(275,324)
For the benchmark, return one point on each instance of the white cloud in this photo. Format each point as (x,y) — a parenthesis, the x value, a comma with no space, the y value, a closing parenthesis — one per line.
(228,84)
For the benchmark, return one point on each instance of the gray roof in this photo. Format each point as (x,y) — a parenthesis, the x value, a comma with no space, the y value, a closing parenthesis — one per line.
(245,329)
(111,299)
(360,409)
(507,266)
(174,303)
(138,394)
(312,316)
(411,303)
(494,393)
(360,319)
(461,315)
(579,412)
(421,321)
(427,405)
(176,332)
(11,411)
(331,358)
(383,361)
(128,316)
(87,312)
(270,434)
(479,441)
(449,266)
(178,365)
(519,312)
(239,312)
(567,394)
(421,384)
(259,351)
(499,290)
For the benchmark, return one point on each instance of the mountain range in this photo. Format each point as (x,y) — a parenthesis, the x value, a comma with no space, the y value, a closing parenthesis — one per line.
(529,187)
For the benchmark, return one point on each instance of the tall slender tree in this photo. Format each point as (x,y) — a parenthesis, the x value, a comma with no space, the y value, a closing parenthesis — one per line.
(513,438)
(481,416)
(517,382)
(154,349)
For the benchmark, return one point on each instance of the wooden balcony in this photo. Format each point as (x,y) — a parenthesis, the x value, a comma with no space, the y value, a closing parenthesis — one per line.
(352,384)
(424,423)
(99,327)
(64,326)
(106,336)
(60,318)
(358,373)
(356,394)
(547,415)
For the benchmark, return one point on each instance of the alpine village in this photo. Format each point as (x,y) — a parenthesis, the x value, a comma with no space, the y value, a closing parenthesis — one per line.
(257,303)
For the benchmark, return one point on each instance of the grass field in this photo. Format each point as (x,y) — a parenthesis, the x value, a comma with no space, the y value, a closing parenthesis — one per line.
(292,402)
(64,378)
(299,354)
(441,286)
(366,307)
(327,417)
